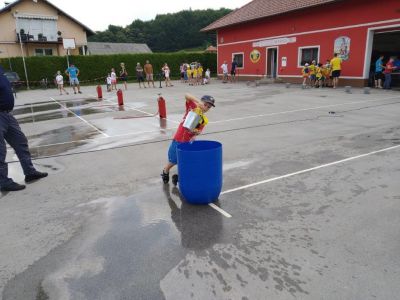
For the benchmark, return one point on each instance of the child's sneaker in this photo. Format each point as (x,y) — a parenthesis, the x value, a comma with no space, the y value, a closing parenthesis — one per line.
(175,179)
(165,177)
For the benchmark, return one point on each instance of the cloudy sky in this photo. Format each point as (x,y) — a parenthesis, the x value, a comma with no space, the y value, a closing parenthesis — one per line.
(97,15)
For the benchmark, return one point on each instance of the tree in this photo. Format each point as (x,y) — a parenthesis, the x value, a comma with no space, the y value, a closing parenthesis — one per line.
(167,32)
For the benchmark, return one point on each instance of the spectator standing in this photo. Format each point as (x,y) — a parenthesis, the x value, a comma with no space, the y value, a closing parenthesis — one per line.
(108,82)
(11,133)
(336,64)
(313,77)
(73,72)
(327,73)
(167,73)
(207,77)
(123,75)
(113,79)
(182,72)
(139,75)
(389,67)
(60,83)
(224,68)
(200,71)
(148,70)
(378,75)
(305,72)
(233,70)
(185,74)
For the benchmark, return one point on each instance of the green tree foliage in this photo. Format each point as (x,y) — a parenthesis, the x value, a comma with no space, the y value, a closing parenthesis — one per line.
(169,32)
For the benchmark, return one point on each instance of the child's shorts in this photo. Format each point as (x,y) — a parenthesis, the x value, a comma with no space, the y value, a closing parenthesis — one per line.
(173,152)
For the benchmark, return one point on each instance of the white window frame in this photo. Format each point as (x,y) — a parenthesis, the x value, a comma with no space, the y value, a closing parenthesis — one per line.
(307,47)
(44,51)
(236,53)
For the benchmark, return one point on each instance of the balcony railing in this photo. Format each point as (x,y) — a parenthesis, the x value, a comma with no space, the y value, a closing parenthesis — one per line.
(27,38)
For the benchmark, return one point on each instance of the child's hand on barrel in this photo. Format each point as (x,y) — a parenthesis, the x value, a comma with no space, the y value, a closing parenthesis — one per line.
(196,131)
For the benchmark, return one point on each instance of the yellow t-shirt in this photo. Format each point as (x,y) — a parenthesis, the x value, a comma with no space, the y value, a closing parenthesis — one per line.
(336,64)
(195,73)
(200,71)
(318,72)
(203,119)
(326,71)
(312,69)
(189,72)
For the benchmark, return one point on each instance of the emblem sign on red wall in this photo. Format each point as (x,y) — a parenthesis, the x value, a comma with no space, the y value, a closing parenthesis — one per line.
(255,56)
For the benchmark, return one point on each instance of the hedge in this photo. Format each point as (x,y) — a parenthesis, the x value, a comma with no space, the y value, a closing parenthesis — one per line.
(98,66)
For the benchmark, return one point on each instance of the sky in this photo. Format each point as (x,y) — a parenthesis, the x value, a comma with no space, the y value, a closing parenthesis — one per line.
(97,15)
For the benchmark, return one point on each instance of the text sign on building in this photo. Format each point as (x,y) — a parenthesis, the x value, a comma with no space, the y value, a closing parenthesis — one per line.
(274,42)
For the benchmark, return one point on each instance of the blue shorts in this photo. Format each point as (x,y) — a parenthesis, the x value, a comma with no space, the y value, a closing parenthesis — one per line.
(173,152)
(73,81)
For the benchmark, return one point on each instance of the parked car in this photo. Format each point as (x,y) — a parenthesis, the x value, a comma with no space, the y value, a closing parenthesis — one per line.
(14,79)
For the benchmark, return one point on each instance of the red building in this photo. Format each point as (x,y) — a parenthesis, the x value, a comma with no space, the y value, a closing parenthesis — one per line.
(276,37)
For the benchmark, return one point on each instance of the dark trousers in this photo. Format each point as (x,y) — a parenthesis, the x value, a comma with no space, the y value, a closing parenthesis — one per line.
(11,132)
(388,81)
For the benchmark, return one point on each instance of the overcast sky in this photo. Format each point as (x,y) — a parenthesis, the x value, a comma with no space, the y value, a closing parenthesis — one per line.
(97,15)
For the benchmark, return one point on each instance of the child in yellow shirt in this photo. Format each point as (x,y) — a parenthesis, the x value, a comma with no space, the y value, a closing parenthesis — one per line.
(305,72)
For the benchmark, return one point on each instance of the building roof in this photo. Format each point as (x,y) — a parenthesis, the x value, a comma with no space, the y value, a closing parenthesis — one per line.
(8,7)
(211,49)
(258,9)
(117,48)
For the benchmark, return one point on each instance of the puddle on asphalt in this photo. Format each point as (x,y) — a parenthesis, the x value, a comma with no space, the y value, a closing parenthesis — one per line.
(61,140)
(124,252)
(32,113)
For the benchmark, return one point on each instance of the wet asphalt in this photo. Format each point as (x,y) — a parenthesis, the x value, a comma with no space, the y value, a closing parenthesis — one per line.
(103,226)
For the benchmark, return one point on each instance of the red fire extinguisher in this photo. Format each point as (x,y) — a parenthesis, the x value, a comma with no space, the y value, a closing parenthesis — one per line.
(99,92)
(162,108)
(120,97)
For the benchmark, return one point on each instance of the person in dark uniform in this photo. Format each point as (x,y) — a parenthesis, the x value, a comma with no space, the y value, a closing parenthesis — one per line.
(11,133)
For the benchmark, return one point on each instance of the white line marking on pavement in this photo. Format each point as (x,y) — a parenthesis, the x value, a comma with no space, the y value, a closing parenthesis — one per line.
(104,137)
(308,170)
(299,110)
(79,117)
(220,210)
(142,111)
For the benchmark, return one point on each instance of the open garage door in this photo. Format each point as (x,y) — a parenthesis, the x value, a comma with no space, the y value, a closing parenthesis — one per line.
(387,43)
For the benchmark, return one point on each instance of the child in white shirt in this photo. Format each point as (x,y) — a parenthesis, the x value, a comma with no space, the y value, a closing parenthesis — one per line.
(109,82)
(113,79)
(60,83)
(207,77)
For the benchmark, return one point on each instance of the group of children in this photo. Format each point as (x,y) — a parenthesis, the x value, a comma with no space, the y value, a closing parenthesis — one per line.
(193,74)
(317,75)
(111,79)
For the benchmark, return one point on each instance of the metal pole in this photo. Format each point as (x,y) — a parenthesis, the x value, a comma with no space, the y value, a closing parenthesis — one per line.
(23,55)
(67,58)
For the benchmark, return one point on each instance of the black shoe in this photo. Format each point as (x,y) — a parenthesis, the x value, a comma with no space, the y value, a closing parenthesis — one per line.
(35,176)
(165,177)
(12,186)
(79,92)
(175,179)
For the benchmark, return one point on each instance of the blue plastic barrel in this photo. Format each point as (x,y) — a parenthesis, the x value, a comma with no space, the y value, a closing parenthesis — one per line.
(200,171)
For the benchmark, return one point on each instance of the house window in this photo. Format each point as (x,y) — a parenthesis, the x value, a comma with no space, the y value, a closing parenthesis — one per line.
(308,54)
(238,57)
(37,29)
(43,52)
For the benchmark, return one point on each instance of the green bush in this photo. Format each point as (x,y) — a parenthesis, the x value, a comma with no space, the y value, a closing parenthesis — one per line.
(98,66)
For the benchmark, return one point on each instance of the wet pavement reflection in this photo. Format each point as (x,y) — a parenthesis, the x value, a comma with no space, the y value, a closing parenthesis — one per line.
(123,252)
(32,113)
